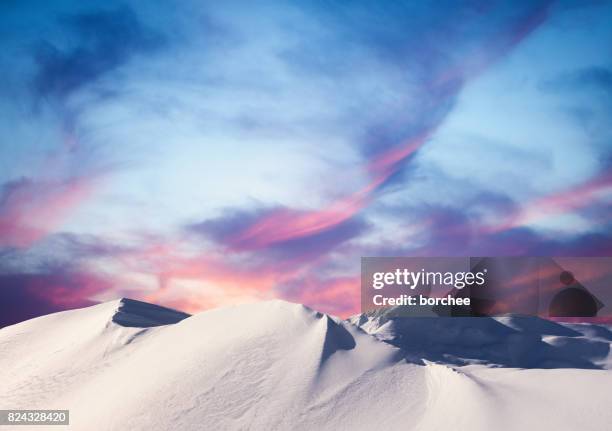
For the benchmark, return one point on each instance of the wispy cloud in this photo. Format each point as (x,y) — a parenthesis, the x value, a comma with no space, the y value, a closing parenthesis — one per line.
(31,209)
(595,190)
(106,39)
(440,87)
(306,122)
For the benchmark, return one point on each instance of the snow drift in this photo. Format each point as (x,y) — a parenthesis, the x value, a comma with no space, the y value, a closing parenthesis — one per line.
(512,341)
(276,365)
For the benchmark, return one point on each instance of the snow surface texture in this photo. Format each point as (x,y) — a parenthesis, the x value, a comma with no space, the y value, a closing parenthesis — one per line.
(513,341)
(127,365)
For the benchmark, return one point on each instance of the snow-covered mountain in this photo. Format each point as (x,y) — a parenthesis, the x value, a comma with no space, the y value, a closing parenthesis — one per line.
(512,341)
(281,366)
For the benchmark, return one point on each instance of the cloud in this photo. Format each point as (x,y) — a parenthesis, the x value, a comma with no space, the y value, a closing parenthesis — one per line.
(286,239)
(311,231)
(459,232)
(392,74)
(24,296)
(94,43)
(336,295)
(584,195)
(389,147)
(591,78)
(31,209)
(105,41)
(61,252)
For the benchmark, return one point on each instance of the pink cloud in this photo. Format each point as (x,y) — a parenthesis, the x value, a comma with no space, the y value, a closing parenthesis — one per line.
(70,291)
(335,295)
(30,210)
(574,198)
(287,224)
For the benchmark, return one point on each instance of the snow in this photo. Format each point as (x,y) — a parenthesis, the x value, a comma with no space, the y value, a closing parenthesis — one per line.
(142,315)
(512,341)
(276,365)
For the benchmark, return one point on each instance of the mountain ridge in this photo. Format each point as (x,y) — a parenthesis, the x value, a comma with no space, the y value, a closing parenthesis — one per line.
(270,365)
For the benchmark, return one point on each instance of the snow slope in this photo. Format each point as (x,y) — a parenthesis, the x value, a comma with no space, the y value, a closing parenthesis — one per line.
(276,365)
(513,341)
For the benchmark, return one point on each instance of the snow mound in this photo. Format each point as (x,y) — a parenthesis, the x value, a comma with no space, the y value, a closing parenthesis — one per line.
(271,365)
(512,341)
(276,365)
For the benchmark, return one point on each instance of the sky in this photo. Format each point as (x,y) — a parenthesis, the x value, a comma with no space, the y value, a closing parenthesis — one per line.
(198,154)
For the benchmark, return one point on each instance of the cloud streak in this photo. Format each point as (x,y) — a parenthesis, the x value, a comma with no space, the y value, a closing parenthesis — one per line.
(249,100)
(585,195)
(287,223)
(31,209)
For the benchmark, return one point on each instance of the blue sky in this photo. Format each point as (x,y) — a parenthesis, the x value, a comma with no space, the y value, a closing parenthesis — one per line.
(200,154)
